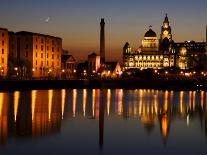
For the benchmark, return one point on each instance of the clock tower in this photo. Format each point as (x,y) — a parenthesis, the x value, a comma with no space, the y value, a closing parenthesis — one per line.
(166,30)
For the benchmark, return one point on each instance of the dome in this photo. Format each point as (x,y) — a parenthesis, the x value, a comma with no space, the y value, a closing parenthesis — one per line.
(150,33)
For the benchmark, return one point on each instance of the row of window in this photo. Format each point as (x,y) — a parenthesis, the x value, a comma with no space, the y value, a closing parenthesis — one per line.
(47,63)
(145,65)
(147,58)
(42,41)
(26,55)
(42,48)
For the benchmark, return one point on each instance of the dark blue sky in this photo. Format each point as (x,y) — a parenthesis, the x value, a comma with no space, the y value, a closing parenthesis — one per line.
(77,21)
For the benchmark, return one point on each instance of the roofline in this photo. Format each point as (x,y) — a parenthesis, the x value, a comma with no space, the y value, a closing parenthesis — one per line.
(39,34)
(3,29)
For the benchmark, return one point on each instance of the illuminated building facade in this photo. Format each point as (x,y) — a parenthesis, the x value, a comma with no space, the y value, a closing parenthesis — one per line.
(93,63)
(160,53)
(41,54)
(4,50)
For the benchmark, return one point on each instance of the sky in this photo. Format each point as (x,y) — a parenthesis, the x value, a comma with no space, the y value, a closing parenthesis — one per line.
(77,22)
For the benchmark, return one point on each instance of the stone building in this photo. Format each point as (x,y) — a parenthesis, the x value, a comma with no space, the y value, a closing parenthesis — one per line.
(4,51)
(39,53)
(162,53)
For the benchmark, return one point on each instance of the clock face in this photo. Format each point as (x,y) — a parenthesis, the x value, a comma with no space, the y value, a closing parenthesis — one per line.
(165,32)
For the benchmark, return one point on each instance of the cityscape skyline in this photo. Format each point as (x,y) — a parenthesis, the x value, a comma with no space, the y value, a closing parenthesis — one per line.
(78,22)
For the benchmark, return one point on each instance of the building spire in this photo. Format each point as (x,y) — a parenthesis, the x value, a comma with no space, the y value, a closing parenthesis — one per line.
(166,19)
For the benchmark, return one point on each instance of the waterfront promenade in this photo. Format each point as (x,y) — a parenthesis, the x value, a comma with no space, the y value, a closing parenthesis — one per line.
(164,84)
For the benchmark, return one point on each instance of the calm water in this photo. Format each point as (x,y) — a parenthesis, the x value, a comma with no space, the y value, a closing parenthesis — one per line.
(103,122)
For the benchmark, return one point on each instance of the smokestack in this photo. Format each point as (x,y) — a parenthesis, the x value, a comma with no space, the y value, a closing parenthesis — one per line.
(102,41)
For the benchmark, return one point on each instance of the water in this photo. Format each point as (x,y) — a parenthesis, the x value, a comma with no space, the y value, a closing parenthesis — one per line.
(103,122)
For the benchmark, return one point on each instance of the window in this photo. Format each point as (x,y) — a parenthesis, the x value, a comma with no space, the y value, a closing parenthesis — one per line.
(27,46)
(41,55)
(41,48)
(52,56)
(36,62)
(47,55)
(52,64)
(2,43)
(2,51)
(3,34)
(47,47)
(47,63)
(26,54)
(36,47)
(36,54)
(41,63)
(53,49)
(2,60)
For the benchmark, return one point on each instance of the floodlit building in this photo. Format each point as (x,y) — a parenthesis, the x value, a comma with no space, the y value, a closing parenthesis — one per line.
(161,53)
(39,54)
(4,51)
(68,65)
(93,63)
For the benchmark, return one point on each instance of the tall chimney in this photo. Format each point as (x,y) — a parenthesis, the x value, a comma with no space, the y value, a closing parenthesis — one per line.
(102,41)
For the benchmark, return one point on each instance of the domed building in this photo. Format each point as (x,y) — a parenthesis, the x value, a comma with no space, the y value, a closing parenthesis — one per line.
(161,53)
(150,43)
(151,54)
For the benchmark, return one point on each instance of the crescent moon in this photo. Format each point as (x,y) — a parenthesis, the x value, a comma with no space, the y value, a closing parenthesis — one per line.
(48,19)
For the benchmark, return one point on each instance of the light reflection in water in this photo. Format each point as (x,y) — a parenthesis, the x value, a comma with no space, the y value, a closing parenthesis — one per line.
(120,101)
(63,92)
(181,102)
(151,108)
(3,118)
(1,103)
(93,102)
(108,101)
(16,104)
(34,94)
(50,96)
(74,101)
(84,101)
(202,99)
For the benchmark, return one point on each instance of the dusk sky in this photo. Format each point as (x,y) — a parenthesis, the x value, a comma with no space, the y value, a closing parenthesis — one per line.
(77,21)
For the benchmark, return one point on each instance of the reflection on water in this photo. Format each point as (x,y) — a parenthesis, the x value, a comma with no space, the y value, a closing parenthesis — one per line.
(41,112)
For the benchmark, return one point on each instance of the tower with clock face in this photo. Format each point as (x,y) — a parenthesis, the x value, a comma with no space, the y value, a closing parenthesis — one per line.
(166,30)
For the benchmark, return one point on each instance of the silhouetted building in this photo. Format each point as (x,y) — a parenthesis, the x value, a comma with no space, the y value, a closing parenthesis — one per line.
(102,41)
(68,64)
